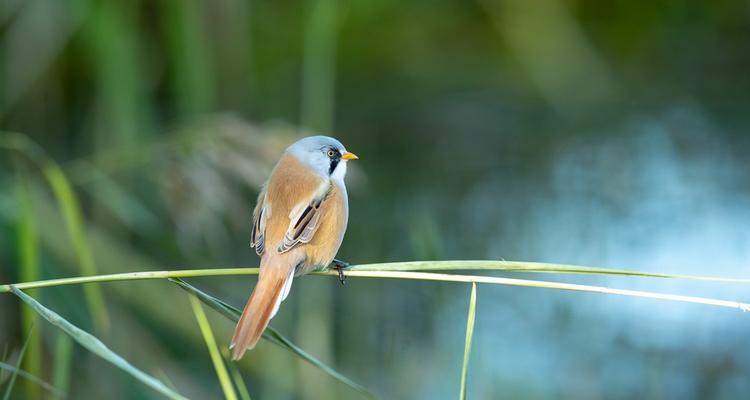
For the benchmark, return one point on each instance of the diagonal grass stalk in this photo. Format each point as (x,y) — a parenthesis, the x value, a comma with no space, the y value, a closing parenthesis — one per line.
(469,336)
(239,383)
(213,349)
(32,378)
(270,334)
(16,369)
(94,345)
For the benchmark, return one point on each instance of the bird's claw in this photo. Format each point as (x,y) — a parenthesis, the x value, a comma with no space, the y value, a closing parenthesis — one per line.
(339,266)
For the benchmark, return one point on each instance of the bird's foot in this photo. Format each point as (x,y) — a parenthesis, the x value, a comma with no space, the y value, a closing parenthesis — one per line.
(339,266)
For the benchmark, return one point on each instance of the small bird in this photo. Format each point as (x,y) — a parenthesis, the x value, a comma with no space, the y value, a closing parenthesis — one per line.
(298,225)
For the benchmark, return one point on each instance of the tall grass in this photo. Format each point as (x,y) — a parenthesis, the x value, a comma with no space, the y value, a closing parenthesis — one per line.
(270,334)
(94,345)
(213,349)
(28,256)
(70,209)
(16,370)
(33,379)
(469,336)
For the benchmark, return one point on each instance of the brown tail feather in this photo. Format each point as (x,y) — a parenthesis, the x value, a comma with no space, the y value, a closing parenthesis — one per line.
(259,309)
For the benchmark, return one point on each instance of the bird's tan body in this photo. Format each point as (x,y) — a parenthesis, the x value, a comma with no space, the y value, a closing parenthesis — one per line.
(293,186)
(282,206)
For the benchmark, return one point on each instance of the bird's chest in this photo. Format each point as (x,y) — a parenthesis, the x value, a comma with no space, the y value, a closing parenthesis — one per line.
(289,195)
(321,250)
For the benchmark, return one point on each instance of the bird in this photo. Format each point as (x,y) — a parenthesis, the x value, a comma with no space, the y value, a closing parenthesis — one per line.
(298,225)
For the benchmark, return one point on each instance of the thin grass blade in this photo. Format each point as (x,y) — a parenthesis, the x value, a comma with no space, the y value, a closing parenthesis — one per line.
(236,376)
(271,334)
(525,266)
(424,276)
(71,212)
(14,374)
(32,378)
(213,349)
(93,344)
(403,270)
(469,335)
(28,255)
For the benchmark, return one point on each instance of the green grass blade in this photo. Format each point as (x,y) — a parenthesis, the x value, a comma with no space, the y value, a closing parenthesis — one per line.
(32,378)
(469,335)
(213,349)
(388,269)
(94,345)
(62,364)
(525,266)
(73,218)
(28,255)
(236,376)
(271,334)
(423,276)
(71,213)
(217,304)
(230,312)
(14,375)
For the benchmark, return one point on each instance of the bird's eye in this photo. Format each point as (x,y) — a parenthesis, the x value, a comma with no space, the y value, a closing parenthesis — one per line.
(331,153)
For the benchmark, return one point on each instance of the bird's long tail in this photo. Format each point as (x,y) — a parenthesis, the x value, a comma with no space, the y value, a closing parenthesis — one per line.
(272,288)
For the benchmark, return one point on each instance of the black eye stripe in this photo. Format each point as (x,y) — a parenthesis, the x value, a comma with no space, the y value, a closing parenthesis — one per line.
(335,159)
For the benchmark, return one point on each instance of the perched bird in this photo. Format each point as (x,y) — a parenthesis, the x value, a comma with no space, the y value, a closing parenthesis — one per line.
(298,225)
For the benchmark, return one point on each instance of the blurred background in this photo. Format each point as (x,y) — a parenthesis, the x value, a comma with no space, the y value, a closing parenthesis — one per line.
(611,134)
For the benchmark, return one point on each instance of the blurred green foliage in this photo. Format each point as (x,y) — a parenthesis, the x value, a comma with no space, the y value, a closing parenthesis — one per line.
(595,133)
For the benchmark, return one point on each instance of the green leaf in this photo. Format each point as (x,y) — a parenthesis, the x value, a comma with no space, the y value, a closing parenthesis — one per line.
(270,334)
(469,335)
(93,344)
(213,349)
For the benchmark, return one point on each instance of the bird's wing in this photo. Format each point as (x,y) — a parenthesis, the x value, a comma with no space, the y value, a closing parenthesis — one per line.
(258,234)
(304,221)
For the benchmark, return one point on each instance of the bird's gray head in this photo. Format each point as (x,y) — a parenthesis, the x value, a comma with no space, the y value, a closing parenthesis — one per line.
(325,155)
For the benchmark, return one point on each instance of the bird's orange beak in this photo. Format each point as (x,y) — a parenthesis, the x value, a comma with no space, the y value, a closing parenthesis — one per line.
(349,156)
